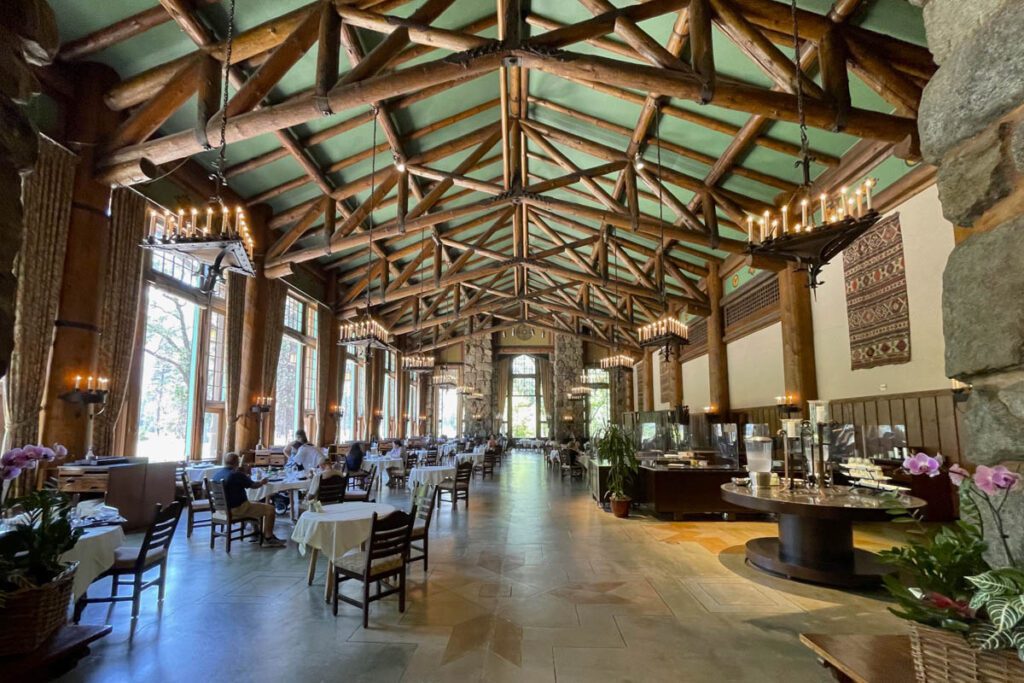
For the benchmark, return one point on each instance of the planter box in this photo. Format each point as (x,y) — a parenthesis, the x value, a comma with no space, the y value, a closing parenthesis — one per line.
(30,615)
(946,657)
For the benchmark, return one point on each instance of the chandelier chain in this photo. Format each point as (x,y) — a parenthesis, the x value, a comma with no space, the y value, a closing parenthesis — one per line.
(220,180)
(804,162)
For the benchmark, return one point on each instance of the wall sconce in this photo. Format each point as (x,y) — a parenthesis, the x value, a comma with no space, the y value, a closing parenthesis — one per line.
(711,413)
(961,390)
(261,407)
(786,405)
(337,413)
(94,394)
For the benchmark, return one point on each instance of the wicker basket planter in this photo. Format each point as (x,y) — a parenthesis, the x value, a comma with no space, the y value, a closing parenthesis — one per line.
(29,616)
(945,657)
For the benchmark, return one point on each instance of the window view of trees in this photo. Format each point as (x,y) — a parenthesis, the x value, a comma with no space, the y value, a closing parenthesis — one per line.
(599,408)
(168,369)
(295,388)
(447,411)
(524,406)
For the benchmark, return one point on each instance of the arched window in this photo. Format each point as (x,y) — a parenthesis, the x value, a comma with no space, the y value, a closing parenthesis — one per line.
(526,417)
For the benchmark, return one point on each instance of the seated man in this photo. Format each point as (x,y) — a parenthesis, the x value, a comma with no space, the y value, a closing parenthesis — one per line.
(304,455)
(235,483)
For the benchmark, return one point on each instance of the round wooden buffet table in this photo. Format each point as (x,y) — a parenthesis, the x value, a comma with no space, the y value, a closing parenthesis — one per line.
(815,541)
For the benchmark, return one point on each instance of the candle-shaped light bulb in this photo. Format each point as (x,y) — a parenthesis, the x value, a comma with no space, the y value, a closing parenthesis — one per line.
(78,382)
(90,383)
(750,228)
(867,191)
(796,228)
(859,194)
(785,219)
(824,211)
(803,211)
(775,227)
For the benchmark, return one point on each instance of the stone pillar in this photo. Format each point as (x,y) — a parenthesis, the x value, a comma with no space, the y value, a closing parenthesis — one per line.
(647,387)
(971,123)
(568,362)
(478,373)
(798,366)
(250,385)
(671,384)
(77,328)
(718,361)
(621,380)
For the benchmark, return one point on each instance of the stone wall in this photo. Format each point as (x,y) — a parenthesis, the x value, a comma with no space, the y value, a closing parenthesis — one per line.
(621,380)
(478,372)
(669,377)
(568,362)
(971,122)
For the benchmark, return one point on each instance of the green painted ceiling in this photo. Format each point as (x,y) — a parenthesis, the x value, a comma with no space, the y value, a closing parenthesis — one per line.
(156,46)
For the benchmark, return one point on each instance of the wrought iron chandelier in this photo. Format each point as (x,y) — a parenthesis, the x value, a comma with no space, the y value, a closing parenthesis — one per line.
(418,363)
(215,235)
(443,377)
(823,231)
(366,332)
(668,334)
(618,360)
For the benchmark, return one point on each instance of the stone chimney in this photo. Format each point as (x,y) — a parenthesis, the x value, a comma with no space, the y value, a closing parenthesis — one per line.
(972,127)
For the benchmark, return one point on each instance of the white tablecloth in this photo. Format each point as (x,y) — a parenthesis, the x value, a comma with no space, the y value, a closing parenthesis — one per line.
(430,475)
(383,462)
(475,458)
(197,473)
(272,487)
(94,553)
(338,529)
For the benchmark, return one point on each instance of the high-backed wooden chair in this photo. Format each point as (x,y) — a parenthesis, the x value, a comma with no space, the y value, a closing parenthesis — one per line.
(457,488)
(225,521)
(135,562)
(364,494)
(332,488)
(424,500)
(385,556)
(195,504)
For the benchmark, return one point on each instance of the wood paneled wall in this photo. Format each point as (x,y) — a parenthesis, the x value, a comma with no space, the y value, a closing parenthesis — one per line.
(932,418)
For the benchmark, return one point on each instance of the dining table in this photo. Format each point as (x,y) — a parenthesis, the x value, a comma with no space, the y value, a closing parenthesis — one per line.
(200,471)
(94,553)
(433,475)
(334,530)
(383,462)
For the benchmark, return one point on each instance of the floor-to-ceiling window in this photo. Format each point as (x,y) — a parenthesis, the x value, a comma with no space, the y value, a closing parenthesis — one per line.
(181,395)
(353,396)
(412,406)
(525,412)
(599,402)
(295,387)
(389,398)
(447,411)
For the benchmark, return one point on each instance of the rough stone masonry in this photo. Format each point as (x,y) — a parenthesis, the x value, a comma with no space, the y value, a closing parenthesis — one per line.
(971,122)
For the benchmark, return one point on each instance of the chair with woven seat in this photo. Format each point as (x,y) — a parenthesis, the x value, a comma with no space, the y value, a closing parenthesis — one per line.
(488,465)
(331,489)
(364,494)
(424,499)
(136,561)
(223,519)
(385,556)
(457,488)
(195,504)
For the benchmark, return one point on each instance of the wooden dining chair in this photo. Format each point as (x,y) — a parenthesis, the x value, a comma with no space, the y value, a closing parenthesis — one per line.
(225,521)
(385,556)
(195,504)
(332,488)
(424,500)
(396,477)
(135,562)
(457,488)
(364,494)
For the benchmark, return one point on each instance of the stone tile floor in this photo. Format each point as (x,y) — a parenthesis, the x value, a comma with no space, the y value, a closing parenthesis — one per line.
(532,582)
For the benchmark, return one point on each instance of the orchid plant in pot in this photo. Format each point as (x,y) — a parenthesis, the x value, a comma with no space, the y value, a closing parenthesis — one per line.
(962,587)
(615,446)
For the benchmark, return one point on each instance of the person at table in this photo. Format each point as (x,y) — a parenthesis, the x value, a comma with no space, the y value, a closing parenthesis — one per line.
(396,449)
(354,459)
(235,484)
(492,444)
(303,455)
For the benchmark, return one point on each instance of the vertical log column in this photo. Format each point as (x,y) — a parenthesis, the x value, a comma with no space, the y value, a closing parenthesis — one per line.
(650,358)
(718,362)
(374,393)
(253,338)
(334,356)
(797,338)
(77,328)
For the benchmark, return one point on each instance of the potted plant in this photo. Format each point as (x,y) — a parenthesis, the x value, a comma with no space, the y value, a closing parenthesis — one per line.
(615,446)
(35,584)
(965,596)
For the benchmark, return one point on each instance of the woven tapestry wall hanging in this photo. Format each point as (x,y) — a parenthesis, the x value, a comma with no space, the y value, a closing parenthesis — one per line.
(876,297)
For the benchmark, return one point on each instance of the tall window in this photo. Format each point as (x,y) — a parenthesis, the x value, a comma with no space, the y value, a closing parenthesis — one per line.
(181,397)
(295,387)
(348,402)
(447,411)
(412,406)
(599,403)
(524,405)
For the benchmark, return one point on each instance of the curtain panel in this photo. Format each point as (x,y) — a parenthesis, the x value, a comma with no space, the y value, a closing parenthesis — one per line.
(39,269)
(546,373)
(274,329)
(235,324)
(121,290)
(325,352)
(504,376)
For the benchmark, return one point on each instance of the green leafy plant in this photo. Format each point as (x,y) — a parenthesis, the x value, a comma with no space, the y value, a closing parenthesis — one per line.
(615,445)
(30,552)
(945,580)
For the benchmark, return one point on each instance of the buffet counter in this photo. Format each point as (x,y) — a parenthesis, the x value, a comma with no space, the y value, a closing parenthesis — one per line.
(682,489)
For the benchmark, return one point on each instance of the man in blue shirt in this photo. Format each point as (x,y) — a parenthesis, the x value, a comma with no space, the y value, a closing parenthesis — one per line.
(235,484)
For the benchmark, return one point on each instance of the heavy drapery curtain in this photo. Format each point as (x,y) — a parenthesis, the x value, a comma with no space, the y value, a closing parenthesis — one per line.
(121,290)
(272,332)
(501,389)
(39,269)
(235,324)
(325,350)
(546,374)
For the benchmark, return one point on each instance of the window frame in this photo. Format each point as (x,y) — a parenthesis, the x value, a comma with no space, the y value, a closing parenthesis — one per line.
(308,356)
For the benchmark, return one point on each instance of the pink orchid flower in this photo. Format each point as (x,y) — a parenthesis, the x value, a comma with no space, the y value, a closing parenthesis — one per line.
(992,479)
(59,450)
(922,463)
(8,472)
(958,474)
(10,456)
